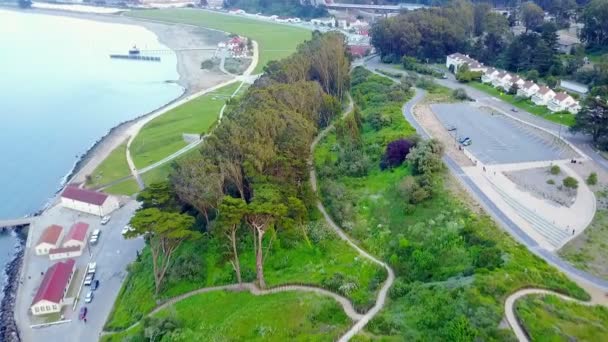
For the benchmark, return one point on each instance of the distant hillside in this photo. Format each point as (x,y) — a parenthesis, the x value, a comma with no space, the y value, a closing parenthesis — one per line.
(288,8)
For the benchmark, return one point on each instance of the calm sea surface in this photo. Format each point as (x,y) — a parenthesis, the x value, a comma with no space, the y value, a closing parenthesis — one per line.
(59,93)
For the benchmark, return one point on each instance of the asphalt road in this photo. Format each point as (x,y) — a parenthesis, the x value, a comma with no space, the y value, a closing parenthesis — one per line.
(113,253)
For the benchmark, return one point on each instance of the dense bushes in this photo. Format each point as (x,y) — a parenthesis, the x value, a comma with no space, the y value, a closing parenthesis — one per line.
(395,154)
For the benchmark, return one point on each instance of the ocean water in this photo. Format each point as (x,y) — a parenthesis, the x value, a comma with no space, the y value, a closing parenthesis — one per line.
(59,93)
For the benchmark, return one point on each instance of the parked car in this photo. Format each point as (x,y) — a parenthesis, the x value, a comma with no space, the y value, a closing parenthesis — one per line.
(467,142)
(127,229)
(451,128)
(92,268)
(89,297)
(89,279)
(96,233)
(105,219)
(83,313)
(462,140)
(95,285)
(514,110)
(93,241)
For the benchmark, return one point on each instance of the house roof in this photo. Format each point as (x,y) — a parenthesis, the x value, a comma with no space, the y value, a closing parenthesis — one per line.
(544,90)
(528,85)
(490,70)
(64,249)
(50,235)
(561,96)
(77,232)
(54,282)
(84,195)
(358,50)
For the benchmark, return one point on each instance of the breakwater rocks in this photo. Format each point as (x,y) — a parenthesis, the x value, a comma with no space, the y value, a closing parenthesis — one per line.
(9,332)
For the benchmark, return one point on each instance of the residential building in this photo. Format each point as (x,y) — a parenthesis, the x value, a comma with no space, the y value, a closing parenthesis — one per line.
(359,51)
(500,79)
(528,89)
(543,96)
(88,201)
(561,101)
(77,236)
(489,75)
(49,239)
(65,252)
(324,22)
(50,296)
(512,80)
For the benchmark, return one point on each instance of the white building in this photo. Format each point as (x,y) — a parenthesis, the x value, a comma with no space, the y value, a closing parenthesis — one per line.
(500,79)
(49,239)
(489,75)
(543,96)
(513,80)
(77,236)
(64,253)
(88,201)
(50,296)
(561,102)
(528,89)
(324,22)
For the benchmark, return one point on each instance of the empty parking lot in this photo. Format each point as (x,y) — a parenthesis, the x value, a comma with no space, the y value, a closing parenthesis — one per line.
(498,139)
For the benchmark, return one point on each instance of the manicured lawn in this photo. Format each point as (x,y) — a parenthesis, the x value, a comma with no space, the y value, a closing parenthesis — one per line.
(240,316)
(162,136)
(114,167)
(527,105)
(548,318)
(275,41)
(127,187)
(327,262)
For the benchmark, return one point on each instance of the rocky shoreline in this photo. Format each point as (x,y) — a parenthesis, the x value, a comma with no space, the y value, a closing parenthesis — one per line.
(9,332)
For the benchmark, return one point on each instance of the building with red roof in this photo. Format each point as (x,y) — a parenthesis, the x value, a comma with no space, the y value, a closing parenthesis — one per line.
(88,201)
(65,252)
(359,51)
(77,235)
(49,239)
(52,291)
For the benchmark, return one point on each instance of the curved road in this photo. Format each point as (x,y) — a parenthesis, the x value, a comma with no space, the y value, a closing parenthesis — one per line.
(381,299)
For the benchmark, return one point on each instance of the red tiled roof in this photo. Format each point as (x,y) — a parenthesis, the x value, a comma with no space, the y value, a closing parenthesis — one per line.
(84,195)
(55,281)
(359,50)
(77,232)
(64,250)
(50,235)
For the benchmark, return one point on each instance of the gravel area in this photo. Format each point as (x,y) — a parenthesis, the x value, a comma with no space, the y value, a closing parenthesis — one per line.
(535,181)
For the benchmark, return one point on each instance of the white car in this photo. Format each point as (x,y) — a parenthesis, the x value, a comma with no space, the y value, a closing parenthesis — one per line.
(92,268)
(127,229)
(96,233)
(93,240)
(105,219)
(89,297)
(89,279)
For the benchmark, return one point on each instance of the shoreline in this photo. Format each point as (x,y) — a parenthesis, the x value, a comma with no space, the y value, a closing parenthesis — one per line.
(191,78)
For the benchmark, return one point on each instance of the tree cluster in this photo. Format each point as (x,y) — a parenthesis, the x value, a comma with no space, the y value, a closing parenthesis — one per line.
(252,170)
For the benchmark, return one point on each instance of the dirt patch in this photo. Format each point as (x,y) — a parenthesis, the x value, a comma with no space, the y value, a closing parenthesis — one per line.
(543,185)
(427,119)
(454,187)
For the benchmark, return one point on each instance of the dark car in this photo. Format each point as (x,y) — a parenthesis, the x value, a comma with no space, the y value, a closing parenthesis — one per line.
(83,313)
(95,285)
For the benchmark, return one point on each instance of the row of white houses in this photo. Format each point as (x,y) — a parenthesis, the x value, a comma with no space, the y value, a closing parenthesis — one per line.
(540,95)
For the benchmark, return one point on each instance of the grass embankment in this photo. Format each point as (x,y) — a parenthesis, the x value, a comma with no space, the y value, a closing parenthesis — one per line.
(127,187)
(548,318)
(454,267)
(239,316)
(526,104)
(275,41)
(327,262)
(163,136)
(114,167)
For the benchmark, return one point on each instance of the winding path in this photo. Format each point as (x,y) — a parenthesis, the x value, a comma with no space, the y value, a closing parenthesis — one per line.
(381,299)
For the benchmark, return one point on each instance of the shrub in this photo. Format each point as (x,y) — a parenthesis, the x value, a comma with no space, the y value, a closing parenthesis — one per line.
(426,83)
(460,94)
(592,179)
(570,183)
(207,64)
(550,181)
(395,154)
(379,120)
(426,157)
(555,170)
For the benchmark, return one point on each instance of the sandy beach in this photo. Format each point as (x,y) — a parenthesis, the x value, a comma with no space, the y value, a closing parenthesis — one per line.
(192,78)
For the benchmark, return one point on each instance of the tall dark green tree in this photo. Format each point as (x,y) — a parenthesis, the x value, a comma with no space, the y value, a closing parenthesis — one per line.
(593,119)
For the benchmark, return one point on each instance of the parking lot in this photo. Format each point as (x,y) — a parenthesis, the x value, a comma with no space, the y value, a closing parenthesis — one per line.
(498,139)
(112,254)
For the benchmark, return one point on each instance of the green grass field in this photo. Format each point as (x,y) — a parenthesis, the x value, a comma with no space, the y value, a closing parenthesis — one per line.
(162,136)
(275,41)
(240,316)
(114,167)
(548,318)
(527,105)
(127,187)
